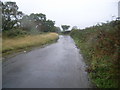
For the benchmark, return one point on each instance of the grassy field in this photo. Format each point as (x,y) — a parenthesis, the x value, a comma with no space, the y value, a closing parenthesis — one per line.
(11,45)
(100,46)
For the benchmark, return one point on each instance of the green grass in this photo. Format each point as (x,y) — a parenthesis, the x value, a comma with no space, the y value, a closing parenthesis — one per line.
(11,45)
(100,46)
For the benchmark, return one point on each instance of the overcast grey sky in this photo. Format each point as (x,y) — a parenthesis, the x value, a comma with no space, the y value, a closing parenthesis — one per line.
(80,13)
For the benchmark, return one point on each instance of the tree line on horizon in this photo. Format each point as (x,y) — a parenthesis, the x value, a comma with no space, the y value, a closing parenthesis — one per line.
(13,19)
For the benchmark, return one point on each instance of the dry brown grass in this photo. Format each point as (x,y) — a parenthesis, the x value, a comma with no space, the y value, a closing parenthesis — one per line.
(10,44)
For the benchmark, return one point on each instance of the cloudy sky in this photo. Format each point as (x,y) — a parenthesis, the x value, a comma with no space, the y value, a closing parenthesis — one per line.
(80,13)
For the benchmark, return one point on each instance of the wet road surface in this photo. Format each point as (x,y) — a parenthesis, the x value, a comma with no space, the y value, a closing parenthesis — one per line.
(58,65)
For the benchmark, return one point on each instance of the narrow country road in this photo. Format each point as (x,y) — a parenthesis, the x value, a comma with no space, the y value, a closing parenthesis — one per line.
(58,65)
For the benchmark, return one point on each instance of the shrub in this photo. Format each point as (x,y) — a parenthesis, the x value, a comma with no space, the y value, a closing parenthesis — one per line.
(14,33)
(100,46)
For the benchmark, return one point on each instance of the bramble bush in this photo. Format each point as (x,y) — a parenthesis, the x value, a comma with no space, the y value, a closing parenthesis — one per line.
(100,46)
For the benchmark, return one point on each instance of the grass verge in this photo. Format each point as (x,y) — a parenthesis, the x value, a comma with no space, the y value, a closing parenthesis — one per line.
(12,45)
(100,46)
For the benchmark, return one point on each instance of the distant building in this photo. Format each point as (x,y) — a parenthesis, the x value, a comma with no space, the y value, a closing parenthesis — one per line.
(119,9)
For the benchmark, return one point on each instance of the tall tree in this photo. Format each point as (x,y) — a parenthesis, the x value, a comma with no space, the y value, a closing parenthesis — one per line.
(49,26)
(65,27)
(58,30)
(11,18)
(10,15)
(38,22)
